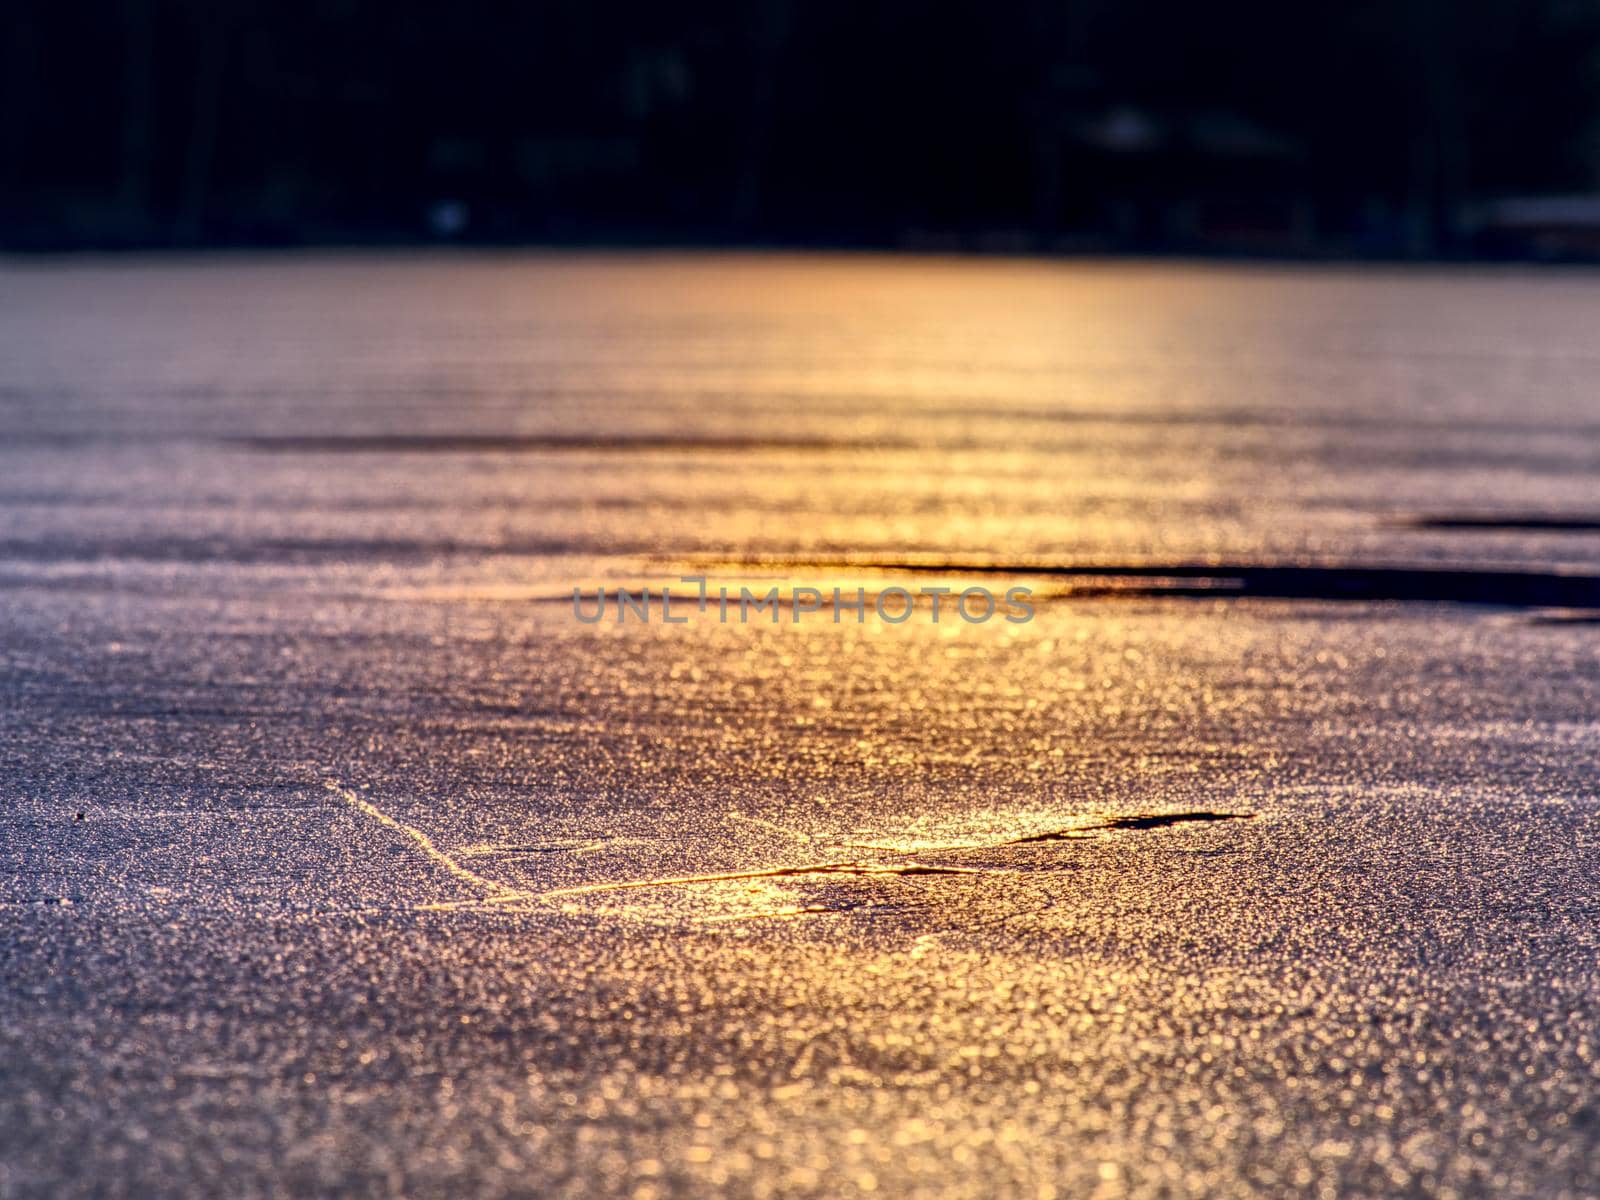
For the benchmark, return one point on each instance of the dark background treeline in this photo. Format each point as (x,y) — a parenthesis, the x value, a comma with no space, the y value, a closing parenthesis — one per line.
(1368,127)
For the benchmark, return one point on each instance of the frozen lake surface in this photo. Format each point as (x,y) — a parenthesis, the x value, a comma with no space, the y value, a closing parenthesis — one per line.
(337,856)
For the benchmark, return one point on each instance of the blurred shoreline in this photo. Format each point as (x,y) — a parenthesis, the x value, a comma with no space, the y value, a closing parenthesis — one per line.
(401,248)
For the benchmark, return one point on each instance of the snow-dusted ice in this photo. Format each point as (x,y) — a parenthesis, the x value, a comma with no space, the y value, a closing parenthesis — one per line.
(338,857)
